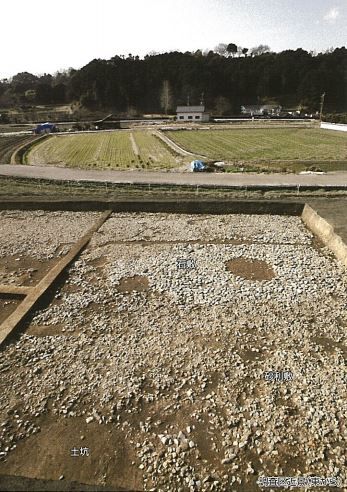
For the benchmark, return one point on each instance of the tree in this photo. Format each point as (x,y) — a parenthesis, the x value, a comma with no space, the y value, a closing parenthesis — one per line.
(44,94)
(59,93)
(260,50)
(4,118)
(30,95)
(166,96)
(222,106)
(221,49)
(311,89)
(156,82)
(231,49)
(24,81)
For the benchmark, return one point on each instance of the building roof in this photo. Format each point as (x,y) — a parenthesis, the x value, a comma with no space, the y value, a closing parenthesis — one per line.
(190,109)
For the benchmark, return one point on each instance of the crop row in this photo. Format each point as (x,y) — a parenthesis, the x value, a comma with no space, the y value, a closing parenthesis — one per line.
(8,145)
(153,152)
(271,144)
(103,150)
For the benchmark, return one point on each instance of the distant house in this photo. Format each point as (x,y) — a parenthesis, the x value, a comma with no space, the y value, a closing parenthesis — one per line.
(261,110)
(293,112)
(192,113)
(45,128)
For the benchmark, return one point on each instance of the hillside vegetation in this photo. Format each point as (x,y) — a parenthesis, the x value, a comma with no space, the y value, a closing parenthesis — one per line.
(130,85)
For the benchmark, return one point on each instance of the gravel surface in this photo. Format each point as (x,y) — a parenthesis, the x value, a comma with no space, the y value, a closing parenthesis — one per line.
(182,227)
(177,363)
(30,240)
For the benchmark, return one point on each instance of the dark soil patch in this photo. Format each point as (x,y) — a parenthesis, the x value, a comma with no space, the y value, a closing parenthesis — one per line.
(69,288)
(45,330)
(329,345)
(252,356)
(25,270)
(109,460)
(8,306)
(137,283)
(98,262)
(250,269)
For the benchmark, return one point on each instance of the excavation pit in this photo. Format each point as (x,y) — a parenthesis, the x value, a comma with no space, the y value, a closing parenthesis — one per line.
(250,269)
(187,360)
(137,283)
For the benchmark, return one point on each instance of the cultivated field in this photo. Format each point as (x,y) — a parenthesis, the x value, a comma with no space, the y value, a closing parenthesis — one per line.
(117,150)
(12,128)
(292,149)
(9,144)
(140,375)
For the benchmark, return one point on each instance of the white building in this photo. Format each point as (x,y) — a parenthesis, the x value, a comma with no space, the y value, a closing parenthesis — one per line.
(261,110)
(192,113)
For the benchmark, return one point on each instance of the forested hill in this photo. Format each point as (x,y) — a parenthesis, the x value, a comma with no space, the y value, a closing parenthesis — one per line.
(160,81)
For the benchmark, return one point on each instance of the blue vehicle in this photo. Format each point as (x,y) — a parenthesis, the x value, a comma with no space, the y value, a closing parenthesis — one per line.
(45,128)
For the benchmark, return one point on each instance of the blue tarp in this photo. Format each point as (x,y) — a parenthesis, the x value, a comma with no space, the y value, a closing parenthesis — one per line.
(197,166)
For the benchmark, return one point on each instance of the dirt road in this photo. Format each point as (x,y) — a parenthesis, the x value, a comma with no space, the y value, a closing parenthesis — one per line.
(234,180)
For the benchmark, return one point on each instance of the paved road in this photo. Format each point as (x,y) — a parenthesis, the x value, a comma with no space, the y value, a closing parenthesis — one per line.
(234,180)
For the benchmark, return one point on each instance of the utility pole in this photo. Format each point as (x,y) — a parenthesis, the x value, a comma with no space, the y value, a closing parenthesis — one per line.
(321,106)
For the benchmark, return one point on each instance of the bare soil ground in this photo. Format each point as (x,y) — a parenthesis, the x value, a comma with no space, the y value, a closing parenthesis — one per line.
(138,283)
(8,304)
(32,242)
(23,270)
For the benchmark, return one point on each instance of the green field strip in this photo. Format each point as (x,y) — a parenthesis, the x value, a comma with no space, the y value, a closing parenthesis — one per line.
(287,144)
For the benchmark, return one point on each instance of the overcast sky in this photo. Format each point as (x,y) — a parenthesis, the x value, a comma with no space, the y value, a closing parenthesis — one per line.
(47,36)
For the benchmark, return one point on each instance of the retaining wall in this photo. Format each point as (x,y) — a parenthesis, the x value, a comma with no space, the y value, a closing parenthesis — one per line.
(170,206)
(326,233)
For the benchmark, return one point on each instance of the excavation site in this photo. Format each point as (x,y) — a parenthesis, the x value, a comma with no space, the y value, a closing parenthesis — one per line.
(170,351)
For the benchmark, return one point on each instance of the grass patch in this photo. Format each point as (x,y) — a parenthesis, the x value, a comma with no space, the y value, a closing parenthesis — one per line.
(27,189)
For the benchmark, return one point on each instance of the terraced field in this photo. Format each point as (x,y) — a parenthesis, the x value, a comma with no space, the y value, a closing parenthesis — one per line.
(12,128)
(9,144)
(275,148)
(116,150)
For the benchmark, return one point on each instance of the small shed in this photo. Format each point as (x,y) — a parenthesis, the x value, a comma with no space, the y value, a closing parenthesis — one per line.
(192,113)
